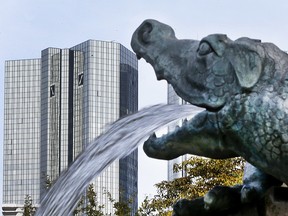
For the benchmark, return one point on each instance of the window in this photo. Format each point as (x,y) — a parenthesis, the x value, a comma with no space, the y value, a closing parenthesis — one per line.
(52,90)
(80,79)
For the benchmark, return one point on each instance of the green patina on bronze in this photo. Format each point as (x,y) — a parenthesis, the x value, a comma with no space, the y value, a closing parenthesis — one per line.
(242,84)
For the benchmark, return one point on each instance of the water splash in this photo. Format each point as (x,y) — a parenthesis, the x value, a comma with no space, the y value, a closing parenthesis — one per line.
(119,140)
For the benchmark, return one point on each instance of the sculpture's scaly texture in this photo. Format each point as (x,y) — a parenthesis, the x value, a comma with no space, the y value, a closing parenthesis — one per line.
(243,85)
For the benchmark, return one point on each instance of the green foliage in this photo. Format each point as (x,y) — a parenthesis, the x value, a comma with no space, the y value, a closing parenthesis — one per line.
(146,207)
(91,207)
(122,208)
(29,209)
(88,204)
(201,175)
(48,182)
(155,206)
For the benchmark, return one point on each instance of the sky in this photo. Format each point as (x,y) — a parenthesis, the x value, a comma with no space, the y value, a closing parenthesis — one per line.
(29,26)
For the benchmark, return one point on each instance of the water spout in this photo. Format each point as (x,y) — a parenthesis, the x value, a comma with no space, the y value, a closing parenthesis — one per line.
(119,140)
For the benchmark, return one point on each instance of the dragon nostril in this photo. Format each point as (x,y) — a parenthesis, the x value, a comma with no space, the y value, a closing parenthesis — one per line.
(144,32)
(145,36)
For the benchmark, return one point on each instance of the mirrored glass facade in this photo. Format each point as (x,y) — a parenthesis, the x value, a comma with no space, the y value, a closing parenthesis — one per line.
(80,90)
(21,164)
(173,98)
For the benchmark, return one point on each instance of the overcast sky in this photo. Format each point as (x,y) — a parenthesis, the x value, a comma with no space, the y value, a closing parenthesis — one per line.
(29,26)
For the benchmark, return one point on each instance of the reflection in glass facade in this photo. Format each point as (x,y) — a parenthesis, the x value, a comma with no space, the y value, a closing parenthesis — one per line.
(173,98)
(79,91)
(21,148)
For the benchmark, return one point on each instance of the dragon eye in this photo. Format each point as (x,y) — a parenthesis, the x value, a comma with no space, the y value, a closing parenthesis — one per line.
(204,49)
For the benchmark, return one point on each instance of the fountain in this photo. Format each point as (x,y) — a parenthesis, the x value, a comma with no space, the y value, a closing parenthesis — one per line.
(119,140)
(241,84)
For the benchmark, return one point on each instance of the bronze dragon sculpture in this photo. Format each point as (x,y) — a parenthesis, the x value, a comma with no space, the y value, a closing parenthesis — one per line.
(243,85)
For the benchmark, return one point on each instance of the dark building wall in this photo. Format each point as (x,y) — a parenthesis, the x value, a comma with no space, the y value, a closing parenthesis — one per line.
(128,104)
(49,88)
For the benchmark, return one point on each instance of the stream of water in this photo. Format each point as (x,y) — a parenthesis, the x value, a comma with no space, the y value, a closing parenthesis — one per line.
(118,141)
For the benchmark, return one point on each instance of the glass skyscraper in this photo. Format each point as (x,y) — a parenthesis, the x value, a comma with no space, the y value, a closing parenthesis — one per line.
(21,165)
(173,98)
(55,106)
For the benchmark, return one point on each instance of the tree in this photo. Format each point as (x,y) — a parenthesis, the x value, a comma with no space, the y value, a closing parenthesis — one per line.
(201,175)
(155,206)
(122,207)
(29,209)
(48,182)
(88,203)
(91,207)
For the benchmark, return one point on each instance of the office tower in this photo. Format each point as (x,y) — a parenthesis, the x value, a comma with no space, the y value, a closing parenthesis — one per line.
(21,167)
(173,98)
(77,92)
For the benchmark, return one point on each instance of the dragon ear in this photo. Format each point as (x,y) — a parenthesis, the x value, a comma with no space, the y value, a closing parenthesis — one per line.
(248,69)
(244,54)
(247,61)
